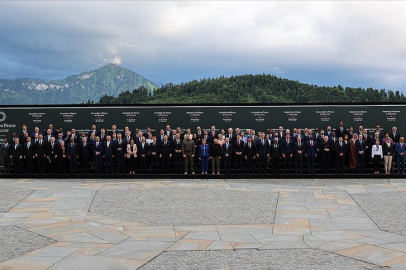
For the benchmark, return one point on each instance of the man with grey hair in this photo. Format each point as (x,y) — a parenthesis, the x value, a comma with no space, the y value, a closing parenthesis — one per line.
(188,152)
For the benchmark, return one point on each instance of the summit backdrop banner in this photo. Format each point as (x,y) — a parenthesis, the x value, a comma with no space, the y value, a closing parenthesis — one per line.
(260,118)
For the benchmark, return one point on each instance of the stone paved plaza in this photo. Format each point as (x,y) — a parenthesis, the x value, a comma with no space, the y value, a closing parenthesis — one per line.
(203,224)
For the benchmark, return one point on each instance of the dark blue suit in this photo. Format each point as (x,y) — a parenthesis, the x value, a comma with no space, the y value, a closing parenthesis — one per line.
(108,154)
(73,154)
(263,152)
(400,160)
(311,153)
(98,161)
(287,150)
(360,146)
(120,155)
(227,149)
(29,153)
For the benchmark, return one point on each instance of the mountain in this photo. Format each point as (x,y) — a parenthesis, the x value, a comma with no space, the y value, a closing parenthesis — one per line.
(260,88)
(109,80)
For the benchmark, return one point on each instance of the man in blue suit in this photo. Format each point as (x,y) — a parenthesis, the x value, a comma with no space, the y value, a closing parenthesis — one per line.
(400,150)
(360,147)
(311,154)
(73,155)
(262,153)
(120,149)
(109,155)
(287,153)
(98,152)
(29,155)
(227,150)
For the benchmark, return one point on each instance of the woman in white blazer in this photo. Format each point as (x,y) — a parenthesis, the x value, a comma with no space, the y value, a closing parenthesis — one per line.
(131,154)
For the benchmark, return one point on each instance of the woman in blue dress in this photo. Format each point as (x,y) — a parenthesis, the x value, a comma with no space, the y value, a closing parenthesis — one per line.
(204,156)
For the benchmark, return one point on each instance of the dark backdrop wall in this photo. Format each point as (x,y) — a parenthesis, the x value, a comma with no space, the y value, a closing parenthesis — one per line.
(260,118)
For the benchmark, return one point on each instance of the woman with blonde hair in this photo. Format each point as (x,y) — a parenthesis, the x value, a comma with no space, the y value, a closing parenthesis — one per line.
(131,154)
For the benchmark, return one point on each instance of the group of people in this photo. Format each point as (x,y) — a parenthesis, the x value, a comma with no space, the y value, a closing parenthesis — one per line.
(176,151)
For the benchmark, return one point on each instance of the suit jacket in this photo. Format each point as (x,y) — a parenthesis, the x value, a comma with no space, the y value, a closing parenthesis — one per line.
(29,152)
(74,136)
(176,145)
(360,145)
(108,150)
(388,149)
(287,149)
(129,152)
(52,151)
(46,139)
(99,148)
(142,151)
(33,135)
(166,149)
(5,151)
(322,146)
(250,152)
(215,150)
(298,148)
(400,149)
(206,151)
(127,141)
(239,147)
(160,138)
(395,137)
(340,133)
(123,146)
(16,152)
(154,148)
(310,150)
(41,149)
(341,149)
(103,137)
(228,150)
(275,151)
(96,133)
(262,149)
(72,150)
(84,151)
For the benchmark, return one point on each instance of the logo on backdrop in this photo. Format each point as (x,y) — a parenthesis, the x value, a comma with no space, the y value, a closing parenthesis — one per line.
(2,116)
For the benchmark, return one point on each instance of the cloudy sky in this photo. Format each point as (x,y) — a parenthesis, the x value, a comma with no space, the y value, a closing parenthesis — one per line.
(357,44)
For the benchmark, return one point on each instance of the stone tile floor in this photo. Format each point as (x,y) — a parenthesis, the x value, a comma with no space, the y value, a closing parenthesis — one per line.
(202,224)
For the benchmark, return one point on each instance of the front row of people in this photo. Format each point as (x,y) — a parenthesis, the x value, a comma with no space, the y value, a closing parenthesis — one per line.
(260,154)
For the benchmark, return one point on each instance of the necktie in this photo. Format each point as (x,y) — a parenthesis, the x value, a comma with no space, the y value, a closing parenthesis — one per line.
(15,147)
(97,144)
(263,142)
(108,144)
(311,143)
(142,145)
(299,144)
(40,142)
(341,144)
(288,142)
(249,145)
(226,146)
(165,142)
(28,145)
(177,141)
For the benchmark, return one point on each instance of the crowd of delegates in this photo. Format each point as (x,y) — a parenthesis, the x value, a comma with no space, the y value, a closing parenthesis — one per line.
(174,151)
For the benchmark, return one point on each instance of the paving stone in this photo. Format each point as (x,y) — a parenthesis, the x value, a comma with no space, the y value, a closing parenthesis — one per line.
(186,206)
(10,196)
(16,241)
(255,259)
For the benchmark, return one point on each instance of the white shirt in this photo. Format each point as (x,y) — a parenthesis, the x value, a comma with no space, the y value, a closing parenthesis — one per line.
(377,151)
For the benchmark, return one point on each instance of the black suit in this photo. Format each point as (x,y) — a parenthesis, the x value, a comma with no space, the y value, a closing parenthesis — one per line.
(299,150)
(16,153)
(109,153)
(52,153)
(166,151)
(287,150)
(5,156)
(29,155)
(41,152)
(341,133)
(84,152)
(178,158)
(143,156)
(120,149)
(250,152)
(275,154)
(263,152)
(239,158)
(340,159)
(227,150)
(62,161)
(325,149)
(73,154)
(154,150)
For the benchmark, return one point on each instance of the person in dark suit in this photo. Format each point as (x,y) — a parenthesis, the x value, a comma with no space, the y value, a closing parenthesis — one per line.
(142,149)
(276,155)
(62,152)
(287,154)
(250,153)
(160,137)
(325,148)
(311,154)
(54,131)
(103,135)
(93,131)
(400,150)
(16,154)
(73,156)
(5,156)
(299,150)
(165,154)
(29,155)
(281,134)
(178,157)
(368,147)
(84,152)
(380,132)
(227,150)
(213,134)
(239,154)
(98,153)
(41,152)
(209,139)
(215,156)
(36,132)
(395,136)
(52,155)
(108,155)
(341,152)
(262,153)
(22,133)
(340,130)
(360,147)
(120,149)
(48,136)
(127,139)
(154,152)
